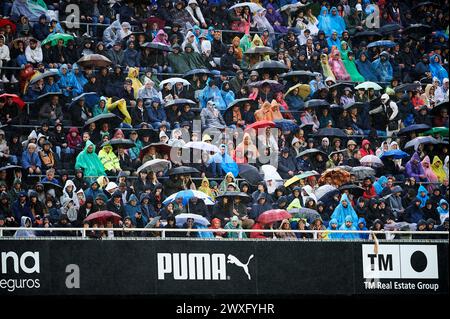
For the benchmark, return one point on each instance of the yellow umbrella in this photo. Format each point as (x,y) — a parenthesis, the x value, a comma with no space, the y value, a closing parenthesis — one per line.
(303,90)
(291,181)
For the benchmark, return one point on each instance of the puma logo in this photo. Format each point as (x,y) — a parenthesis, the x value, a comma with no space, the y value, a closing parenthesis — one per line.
(233,260)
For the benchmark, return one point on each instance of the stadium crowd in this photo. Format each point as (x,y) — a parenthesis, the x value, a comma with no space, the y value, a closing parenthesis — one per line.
(308,115)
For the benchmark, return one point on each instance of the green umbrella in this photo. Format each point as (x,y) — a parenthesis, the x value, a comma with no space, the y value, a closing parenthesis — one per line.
(55,37)
(443,131)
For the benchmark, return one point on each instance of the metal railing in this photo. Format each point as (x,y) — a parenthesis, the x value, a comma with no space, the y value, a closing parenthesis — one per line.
(82,232)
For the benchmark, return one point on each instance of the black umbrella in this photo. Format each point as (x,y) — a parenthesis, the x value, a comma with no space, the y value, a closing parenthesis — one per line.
(243,196)
(183,170)
(407,87)
(49,185)
(438,107)
(311,151)
(341,86)
(180,102)
(335,132)
(157,46)
(241,102)
(314,103)
(112,119)
(270,67)
(162,148)
(94,60)
(389,28)
(193,72)
(300,75)
(414,128)
(120,143)
(353,189)
(44,75)
(10,167)
(367,34)
(275,85)
(47,95)
(416,31)
(260,50)
(250,173)
(423,4)
(354,104)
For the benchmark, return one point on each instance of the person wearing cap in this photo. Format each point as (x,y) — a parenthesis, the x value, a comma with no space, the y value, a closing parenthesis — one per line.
(383,68)
(46,156)
(157,114)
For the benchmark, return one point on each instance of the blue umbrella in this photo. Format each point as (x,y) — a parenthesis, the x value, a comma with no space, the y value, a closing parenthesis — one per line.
(285,125)
(187,195)
(382,43)
(414,128)
(397,154)
(181,219)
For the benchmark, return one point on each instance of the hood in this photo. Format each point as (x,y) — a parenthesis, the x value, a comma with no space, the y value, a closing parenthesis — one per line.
(422,189)
(437,162)
(88,143)
(416,157)
(348,218)
(69,183)
(142,197)
(443,201)
(426,160)
(205,180)
(323,10)
(133,197)
(362,220)
(344,197)
(74,130)
(23,220)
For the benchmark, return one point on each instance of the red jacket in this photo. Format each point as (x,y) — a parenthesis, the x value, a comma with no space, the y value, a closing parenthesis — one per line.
(370,193)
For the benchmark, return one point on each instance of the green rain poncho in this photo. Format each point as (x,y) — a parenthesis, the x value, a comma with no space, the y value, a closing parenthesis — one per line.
(350,65)
(89,162)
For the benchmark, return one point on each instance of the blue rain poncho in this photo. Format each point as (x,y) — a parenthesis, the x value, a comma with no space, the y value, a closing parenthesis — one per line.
(341,212)
(437,70)
(383,69)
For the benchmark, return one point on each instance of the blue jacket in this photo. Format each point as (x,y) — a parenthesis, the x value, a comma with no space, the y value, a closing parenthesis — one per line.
(383,70)
(366,68)
(19,211)
(30,159)
(131,58)
(157,115)
(423,199)
(363,235)
(332,235)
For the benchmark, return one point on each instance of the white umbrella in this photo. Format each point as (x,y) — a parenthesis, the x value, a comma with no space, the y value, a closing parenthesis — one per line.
(368,85)
(198,219)
(421,140)
(371,161)
(254,7)
(172,81)
(155,165)
(203,146)
(323,190)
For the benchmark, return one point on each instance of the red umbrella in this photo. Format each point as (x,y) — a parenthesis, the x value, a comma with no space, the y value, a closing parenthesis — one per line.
(273,215)
(102,216)
(4,22)
(16,99)
(260,124)
(161,23)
